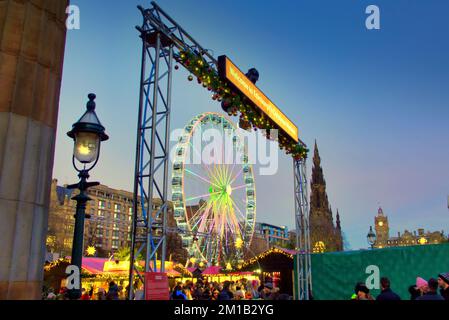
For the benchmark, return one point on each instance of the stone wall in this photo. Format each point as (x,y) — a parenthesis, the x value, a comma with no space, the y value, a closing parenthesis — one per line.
(32,41)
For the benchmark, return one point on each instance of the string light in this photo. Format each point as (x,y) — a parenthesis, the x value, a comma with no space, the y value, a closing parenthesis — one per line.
(264,255)
(234,102)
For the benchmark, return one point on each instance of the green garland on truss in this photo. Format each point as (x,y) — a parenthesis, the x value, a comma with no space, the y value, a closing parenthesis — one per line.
(235,103)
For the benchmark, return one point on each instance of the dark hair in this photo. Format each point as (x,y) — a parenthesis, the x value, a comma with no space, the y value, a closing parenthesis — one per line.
(414,292)
(177,288)
(385,282)
(433,284)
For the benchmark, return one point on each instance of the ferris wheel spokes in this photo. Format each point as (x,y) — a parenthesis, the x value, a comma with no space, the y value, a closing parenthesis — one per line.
(220,224)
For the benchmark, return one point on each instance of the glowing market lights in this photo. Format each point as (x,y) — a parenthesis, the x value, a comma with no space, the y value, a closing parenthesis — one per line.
(238,243)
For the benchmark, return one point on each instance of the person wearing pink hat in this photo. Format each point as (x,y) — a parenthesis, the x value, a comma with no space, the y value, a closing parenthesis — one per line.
(422,285)
(418,289)
(432,292)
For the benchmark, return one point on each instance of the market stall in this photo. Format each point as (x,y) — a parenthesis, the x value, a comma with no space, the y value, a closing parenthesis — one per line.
(274,265)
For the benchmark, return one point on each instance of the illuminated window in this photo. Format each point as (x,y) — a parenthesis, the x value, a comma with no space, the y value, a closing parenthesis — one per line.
(422,241)
(115,244)
(67,243)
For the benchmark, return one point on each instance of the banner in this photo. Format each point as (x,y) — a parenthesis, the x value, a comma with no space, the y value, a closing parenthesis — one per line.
(334,275)
(156,286)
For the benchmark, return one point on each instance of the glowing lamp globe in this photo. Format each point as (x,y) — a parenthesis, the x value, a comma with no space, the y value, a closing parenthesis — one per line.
(88,133)
(86,147)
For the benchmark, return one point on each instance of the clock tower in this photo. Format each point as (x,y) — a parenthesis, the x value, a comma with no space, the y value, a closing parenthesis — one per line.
(382,230)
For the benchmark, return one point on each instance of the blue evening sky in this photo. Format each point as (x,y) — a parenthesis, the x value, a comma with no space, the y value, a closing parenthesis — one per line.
(376,101)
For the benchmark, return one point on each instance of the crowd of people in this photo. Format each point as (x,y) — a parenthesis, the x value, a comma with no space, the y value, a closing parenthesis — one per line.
(114,292)
(433,289)
(228,290)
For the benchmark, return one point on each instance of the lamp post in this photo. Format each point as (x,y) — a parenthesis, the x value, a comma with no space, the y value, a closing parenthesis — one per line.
(371,237)
(87,133)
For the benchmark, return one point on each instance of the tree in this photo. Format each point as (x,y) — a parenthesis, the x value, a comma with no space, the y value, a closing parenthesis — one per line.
(124,254)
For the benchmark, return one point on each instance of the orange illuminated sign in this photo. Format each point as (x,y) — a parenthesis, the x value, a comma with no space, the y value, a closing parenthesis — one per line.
(238,79)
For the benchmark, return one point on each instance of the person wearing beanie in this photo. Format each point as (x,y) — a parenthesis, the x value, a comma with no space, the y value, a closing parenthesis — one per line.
(443,282)
(432,293)
(387,294)
(422,285)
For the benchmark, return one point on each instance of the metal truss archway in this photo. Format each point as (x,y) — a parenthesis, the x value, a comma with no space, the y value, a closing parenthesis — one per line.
(162,41)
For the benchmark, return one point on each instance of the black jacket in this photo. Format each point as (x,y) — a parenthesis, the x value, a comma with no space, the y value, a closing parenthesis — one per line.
(431,296)
(388,295)
(445,293)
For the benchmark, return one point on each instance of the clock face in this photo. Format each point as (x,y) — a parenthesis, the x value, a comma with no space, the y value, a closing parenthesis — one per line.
(381,223)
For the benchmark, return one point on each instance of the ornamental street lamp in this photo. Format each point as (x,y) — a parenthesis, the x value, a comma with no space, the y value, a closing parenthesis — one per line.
(371,237)
(87,133)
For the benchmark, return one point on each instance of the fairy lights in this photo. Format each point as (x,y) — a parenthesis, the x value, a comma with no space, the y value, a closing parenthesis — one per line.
(264,255)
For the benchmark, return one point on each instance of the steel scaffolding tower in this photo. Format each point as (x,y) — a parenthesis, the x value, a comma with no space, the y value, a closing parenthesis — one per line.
(162,40)
(303,258)
(152,151)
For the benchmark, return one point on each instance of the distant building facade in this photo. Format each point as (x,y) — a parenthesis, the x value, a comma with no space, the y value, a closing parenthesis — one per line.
(274,235)
(407,238)
(265,237)
(109,226)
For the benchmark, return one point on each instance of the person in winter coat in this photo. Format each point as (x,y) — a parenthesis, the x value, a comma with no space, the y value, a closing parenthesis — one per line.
(361,292)
(387,294)
(443,282)
(178,294)
(113,292)
(414,292)
(432,293)
(226,293)
(422,286)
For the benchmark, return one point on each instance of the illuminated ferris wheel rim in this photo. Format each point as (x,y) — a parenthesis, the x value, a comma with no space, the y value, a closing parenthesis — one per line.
(178,185)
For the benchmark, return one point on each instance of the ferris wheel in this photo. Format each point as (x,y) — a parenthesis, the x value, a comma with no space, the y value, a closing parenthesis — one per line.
(214,201)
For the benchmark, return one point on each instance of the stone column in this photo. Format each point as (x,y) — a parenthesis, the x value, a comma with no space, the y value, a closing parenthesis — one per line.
(32,41)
